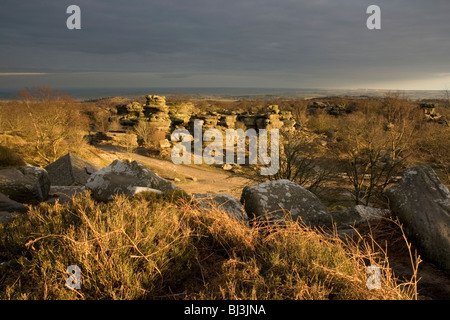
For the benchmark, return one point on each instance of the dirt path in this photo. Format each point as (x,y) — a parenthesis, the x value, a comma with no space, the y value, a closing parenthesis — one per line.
(192,179)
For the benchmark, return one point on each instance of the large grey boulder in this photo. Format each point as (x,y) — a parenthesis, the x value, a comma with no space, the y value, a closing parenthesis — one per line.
(225,202)
(422,204)
(70,170)
(25,184)
(356,215)
(64,194)
(125,178)
(9,205)
(274,199)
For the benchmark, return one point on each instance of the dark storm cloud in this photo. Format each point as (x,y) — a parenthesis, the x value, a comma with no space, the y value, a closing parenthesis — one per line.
(292,41)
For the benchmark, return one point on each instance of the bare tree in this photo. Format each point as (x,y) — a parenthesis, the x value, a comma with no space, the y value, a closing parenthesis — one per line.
(298,164)
(53,121)
(375,151)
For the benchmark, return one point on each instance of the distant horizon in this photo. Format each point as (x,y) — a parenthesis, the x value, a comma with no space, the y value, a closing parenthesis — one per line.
(84,93)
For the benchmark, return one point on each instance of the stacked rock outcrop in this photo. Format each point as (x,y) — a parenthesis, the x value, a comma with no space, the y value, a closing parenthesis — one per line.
(157,112)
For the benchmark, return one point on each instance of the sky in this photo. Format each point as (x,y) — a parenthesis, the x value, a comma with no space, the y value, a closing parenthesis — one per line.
(226,43)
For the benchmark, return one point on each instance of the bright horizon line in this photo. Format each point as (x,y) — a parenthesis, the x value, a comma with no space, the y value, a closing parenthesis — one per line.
(22,73)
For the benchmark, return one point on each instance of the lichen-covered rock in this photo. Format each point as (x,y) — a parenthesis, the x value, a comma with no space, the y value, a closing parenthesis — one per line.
(422,204)
(25,184)
(124,178)
(226,202)
(274,199)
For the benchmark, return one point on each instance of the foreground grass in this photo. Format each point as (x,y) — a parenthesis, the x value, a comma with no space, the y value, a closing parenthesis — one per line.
(155,247)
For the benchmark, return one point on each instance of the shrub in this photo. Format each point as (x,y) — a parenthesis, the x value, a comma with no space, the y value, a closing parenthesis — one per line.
(148,135)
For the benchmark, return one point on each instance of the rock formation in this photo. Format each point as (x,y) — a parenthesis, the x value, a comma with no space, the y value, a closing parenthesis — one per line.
(228,121)
(157,112)
(64,194)
(356,215)
(9,207)
(331,109)
(180,114)
(274,199)
(169,117)
(422,203)
(125,178)
(25,184)
(70,170)
(225,202)
(431,114)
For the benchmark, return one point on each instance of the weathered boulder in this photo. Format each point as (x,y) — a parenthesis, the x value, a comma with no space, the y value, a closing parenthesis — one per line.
(123,178)
(9,208)
(70,170)
(25,184)
(64,194)
(273,199)
(8,205)
(41,176)
(226,202)
(422,204)
(356,215)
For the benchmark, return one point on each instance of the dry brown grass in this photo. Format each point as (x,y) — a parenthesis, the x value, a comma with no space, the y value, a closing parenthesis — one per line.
(154,247)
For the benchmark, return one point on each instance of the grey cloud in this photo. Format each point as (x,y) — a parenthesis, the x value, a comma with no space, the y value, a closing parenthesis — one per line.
(284,39)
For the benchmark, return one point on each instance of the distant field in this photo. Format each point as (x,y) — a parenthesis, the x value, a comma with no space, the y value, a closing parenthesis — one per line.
(233,93)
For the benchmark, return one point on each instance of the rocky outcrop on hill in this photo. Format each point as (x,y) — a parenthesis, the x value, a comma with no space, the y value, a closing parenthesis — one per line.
(125,178)
(331,109)
(157,112)
(431,115)
(25,184)
(180,113)
(165,117)
(422,204)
